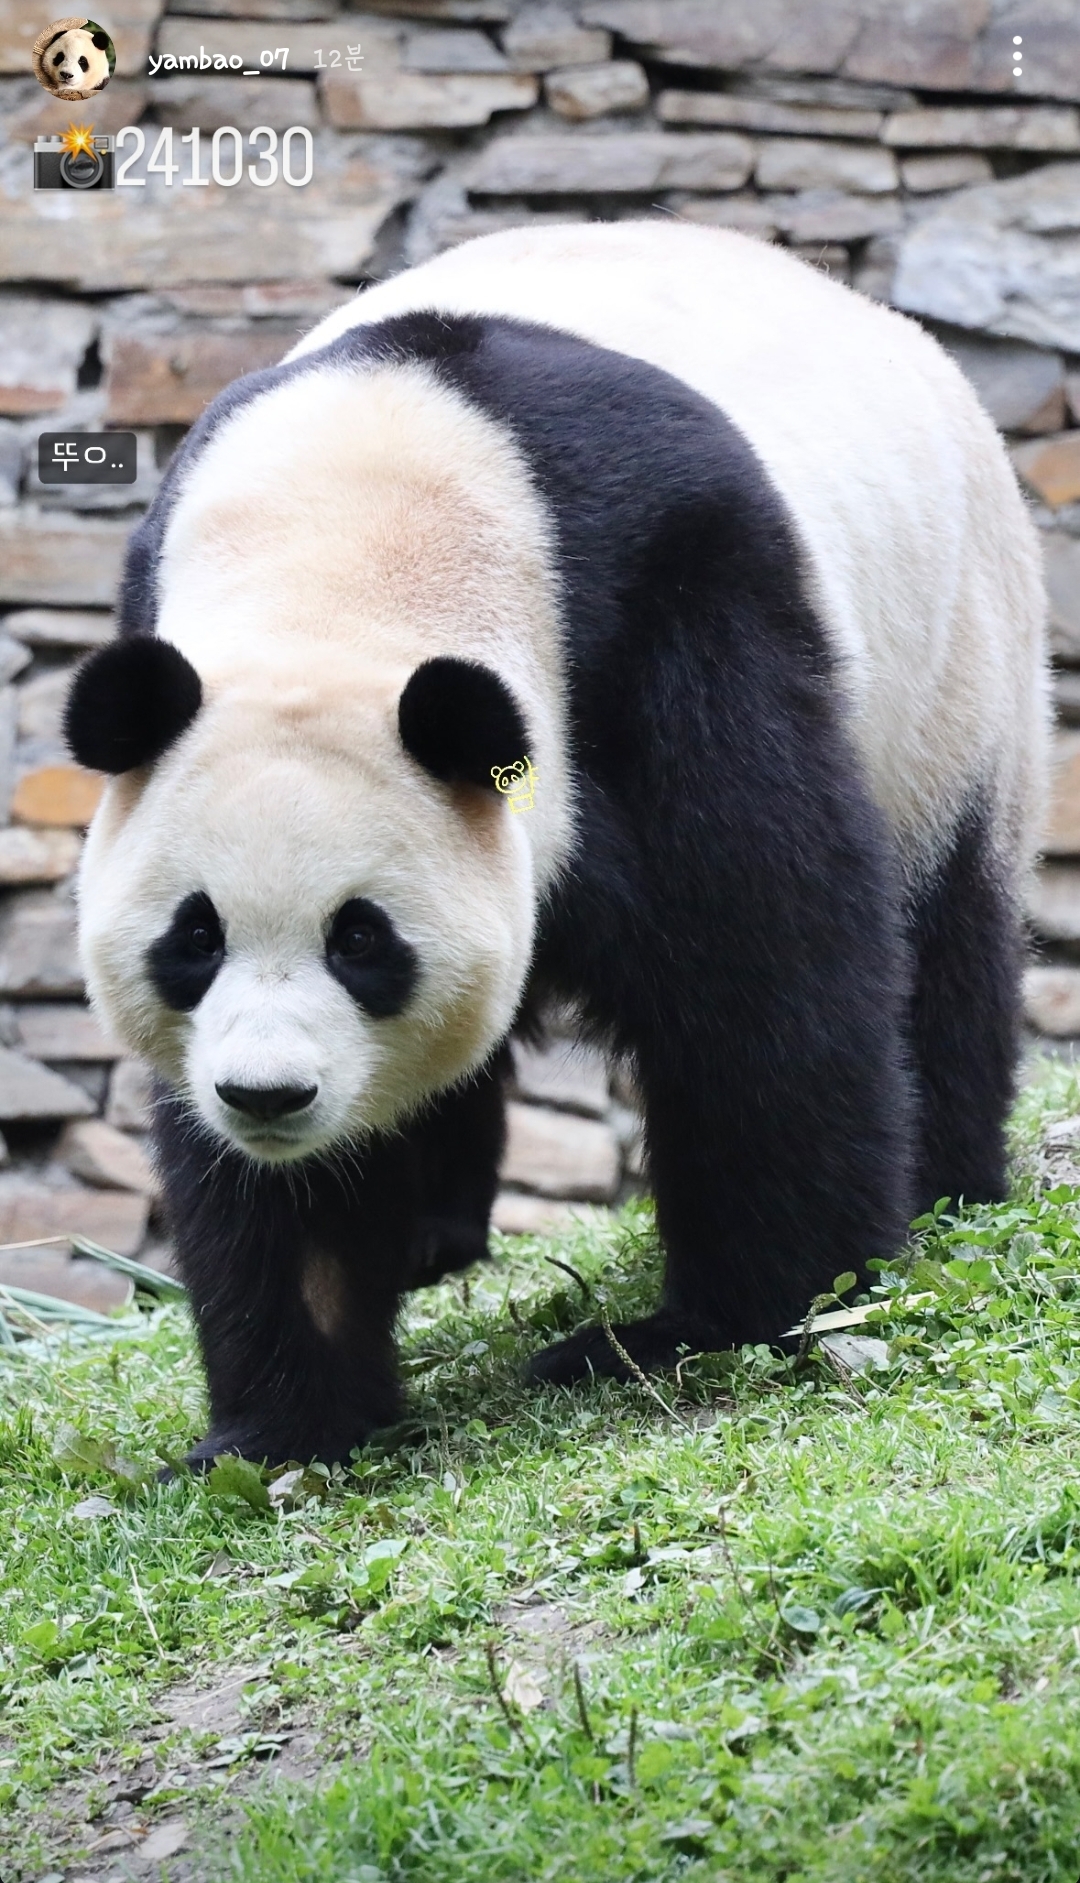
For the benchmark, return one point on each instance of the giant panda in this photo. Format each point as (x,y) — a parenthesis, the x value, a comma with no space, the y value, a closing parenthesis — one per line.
(734,560)
(73,58)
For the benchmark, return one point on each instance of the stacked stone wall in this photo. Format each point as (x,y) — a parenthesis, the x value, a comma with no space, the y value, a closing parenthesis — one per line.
(928,154)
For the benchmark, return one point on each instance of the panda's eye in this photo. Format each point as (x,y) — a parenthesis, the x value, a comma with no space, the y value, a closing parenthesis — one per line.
(356,941)
(59,59)
(85,63)
(204,940)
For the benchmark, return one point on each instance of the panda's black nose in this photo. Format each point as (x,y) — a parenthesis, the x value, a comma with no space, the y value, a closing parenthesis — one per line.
(267,1101)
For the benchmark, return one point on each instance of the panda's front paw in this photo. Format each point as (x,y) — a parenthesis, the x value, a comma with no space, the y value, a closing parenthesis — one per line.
(443,1245)
(259,1451)
(651,1344)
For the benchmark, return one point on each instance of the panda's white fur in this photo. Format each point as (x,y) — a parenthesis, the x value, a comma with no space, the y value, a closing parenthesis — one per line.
(346,525)
(925,564)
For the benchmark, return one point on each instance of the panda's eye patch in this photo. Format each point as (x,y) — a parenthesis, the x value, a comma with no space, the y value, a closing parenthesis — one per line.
(184,961)
(85,63)
(59,59)
(373,963)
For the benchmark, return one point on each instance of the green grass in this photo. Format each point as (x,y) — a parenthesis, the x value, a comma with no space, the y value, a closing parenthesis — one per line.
(777,1623)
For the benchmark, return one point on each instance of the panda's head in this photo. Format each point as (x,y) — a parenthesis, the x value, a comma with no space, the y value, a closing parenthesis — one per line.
(302,899)
(76,63)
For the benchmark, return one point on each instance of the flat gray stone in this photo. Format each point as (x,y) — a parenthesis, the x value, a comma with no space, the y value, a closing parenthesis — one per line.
(37,856)
(493,12)
(1003,257)
(450,49)
(41,706)
(630,162)
(1016,383)
(13,658)
(106,1157)
(60,627)
(30,1090)
(839,94)
(11,461)
(44,344)
(1061,557)
(751,215)
(8,747)
(735,113)
(543,37)
(1067,697)
(571,1077)
(65,1030)
(588,91)
(162,368)
(1054,902)
(801,163)
(54,1271)
(259,9)
(31,1210)
(38,948)
(560,1156)
(129,1096)
(789,35)
(985,127)
(953,170)
(834,215)
(210,102)
(414,101)
(1052,1000)
(27,112)
(516,1214)
(59,556)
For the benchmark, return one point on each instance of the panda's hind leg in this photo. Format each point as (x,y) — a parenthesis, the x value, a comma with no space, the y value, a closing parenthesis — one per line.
(967,954)
(457,1144)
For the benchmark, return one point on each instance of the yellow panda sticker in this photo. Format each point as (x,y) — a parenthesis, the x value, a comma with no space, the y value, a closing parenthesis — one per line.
(517,783)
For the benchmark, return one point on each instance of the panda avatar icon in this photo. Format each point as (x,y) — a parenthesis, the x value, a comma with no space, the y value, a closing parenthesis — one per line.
(734,559)
(73,58)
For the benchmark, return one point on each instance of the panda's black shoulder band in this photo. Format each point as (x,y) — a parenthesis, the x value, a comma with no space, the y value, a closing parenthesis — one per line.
(129,702)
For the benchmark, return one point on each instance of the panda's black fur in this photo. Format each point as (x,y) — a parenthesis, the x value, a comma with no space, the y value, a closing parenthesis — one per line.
(819,1057)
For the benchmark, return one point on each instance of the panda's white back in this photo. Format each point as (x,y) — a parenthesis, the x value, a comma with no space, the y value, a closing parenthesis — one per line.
(923,563)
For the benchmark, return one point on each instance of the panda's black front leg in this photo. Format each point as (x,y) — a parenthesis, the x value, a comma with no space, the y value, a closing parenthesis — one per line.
(457,1143)
(294,1274)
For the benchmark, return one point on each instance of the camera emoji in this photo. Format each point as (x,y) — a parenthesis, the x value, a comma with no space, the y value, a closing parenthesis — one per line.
(76,161)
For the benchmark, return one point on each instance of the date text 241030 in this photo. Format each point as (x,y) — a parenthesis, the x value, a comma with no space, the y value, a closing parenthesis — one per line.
(293,161)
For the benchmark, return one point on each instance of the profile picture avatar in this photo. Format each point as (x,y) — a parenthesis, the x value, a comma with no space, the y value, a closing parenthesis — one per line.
(73,58)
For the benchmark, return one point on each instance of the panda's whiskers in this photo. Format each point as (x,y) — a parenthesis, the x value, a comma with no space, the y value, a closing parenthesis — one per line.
(345,1164)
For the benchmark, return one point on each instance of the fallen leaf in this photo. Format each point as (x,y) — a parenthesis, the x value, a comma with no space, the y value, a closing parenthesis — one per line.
(857,1352)
(522,1688)
(94,1507)
(165,1840)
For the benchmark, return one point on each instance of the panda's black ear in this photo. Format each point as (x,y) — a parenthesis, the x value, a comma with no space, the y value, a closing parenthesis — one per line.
(458,720)
(128,702)
(100,40)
